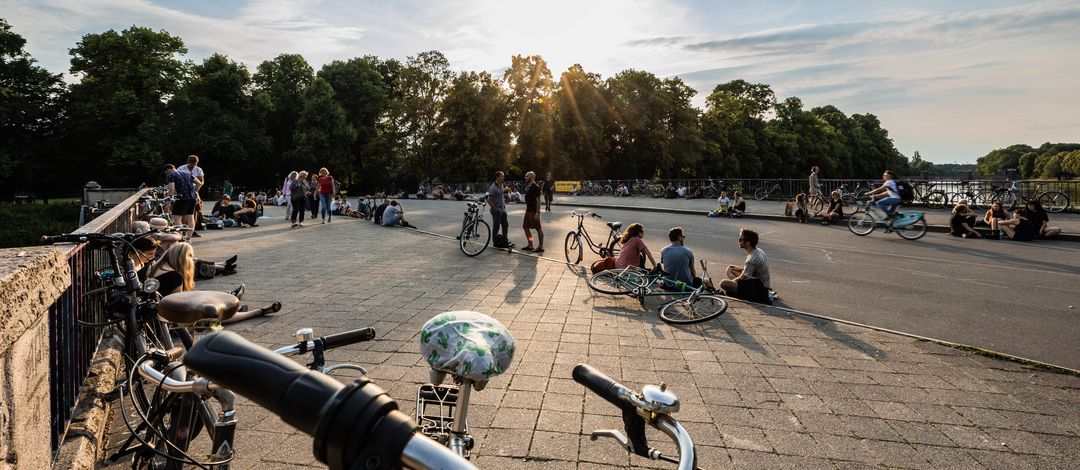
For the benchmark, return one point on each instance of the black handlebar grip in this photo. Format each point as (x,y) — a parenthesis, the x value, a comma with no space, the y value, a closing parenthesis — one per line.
(346,338)
(599,383)
(597,215)
(282,386)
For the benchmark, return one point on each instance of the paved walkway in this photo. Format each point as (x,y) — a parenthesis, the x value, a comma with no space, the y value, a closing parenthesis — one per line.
(759,388)
(1069,222)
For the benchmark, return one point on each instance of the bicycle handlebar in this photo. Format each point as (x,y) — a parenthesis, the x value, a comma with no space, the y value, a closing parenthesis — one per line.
(353,424)
(585,214)
(344,338)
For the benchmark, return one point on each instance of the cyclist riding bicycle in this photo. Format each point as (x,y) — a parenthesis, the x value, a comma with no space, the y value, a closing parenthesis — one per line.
(892,200)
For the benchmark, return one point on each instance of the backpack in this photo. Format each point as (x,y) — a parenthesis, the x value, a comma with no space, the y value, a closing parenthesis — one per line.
(907,192)
(500,241)
(298,187)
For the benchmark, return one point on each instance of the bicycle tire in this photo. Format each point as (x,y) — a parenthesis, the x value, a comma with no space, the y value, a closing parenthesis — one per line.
(612,249)
(475,238)
(817,203)
(710,192)
(572,248)
(936,199)
(914,231)
(861,223)
(693,309)
(614,282)
(848,199)
(1054,201)
(761,194)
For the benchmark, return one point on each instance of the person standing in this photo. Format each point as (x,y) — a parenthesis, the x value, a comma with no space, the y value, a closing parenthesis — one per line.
(227,189)
(497,206)
(815,185)
(549,190)
(287,191)
(298,190)
(199,178)
(326,192)
(182,186)
(751,281)
(532,214)
(313,196)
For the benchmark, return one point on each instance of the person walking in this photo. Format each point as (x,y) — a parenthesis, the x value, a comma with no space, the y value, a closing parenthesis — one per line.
(313,196)
(532,214)
(326,193)
(198,177)
(287,191)
(181,185)
(815,184)
(497,206)
(549,190)
(298,190)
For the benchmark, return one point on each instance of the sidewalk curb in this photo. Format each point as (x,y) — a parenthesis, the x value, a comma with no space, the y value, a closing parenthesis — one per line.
(929,228)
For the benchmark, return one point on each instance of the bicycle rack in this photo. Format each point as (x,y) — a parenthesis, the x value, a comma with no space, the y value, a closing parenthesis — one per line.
(435,407)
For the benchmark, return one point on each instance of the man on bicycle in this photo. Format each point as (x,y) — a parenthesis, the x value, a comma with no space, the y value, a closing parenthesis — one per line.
(678,260)
(891,201)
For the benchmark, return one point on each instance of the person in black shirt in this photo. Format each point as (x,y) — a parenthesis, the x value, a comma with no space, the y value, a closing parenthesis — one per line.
(1018,228)
(379,211)
(549,191)
(962,221)
(1041,220)
(532,214)
(835,210)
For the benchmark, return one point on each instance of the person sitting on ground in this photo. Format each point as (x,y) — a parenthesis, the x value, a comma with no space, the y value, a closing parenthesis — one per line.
(395,215)
(513,195)
(224,208)
(738,205)
(633,250)
(802,212)
(362,208)
(622,191)
(962,222)
(671,192)
(1038,217)
(834,212)
(459,195)
(723,203)
(260,201)
(993,215)
(248,215)
(1018,228)
(681,192)
(751,281)
(678,261)
(380,210)
(175,270)
(438,193)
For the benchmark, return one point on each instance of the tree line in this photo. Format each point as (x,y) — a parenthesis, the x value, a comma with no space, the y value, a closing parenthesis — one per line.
(379,123)
(1049,160)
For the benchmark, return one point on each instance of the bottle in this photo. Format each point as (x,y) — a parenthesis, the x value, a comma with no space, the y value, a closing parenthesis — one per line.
(679,285)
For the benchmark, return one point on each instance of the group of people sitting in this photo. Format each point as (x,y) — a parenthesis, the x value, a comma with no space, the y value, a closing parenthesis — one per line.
(227,214)
(729,207)
(800,209)
(389,214)
(1023,224)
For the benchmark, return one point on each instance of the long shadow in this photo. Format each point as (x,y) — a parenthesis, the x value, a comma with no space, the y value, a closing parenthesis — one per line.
(726,327)
(1004,257)
(524,277)
(826,327)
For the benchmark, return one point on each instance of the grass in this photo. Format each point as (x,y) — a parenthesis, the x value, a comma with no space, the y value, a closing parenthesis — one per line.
(24,224)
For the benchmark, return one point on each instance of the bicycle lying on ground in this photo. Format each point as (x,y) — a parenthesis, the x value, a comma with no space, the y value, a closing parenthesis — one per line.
(475,232)
(910,225)
(693,305)
(578,238)
(358,426)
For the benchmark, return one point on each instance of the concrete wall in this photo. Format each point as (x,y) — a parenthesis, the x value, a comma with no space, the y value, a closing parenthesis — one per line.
(31,279)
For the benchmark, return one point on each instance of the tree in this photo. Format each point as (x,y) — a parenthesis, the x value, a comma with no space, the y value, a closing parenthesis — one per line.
(920,166)
(281,83)
(30,111)
(323,135)
(361,92)
(531,112)
(733,124)
(423,82)
(118,116)
(581,116)
(473,138)
(1002,159)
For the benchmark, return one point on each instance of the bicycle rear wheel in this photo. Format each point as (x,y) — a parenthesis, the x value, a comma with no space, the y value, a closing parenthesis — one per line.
(614,282)
(693,310)
(761,194)
(572,248)
(914,231)
(861,223)
(936,199)
(817,203)
(1054,201)
(475,238)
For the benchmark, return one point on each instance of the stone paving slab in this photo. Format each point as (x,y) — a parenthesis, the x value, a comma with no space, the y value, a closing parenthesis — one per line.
(759,388)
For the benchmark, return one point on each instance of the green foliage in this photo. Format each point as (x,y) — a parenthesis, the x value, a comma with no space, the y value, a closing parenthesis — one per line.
(1043,162)
(581,114)
(35,220)
(531,113)
(323,135)
(281,83)
(473,139)
(359,89)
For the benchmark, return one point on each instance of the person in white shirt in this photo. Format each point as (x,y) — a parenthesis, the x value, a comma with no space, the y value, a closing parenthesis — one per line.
(891,201)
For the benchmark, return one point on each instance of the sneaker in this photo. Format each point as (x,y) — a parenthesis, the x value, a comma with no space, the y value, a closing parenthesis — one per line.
(294,225)
(527,248)
(301,224)
(196,235)
(323,221)
(539,250)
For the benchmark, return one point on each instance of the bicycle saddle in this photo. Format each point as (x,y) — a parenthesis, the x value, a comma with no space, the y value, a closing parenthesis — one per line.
(191,306)
(467,345)
(615,225)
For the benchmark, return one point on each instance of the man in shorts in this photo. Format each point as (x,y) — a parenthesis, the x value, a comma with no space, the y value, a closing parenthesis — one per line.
(751,281)
(181,185)
(532,214)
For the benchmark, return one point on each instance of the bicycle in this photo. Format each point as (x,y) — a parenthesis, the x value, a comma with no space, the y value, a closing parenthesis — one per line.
(909,225)
(974,197)
(359,426)
(1053,201)
(703,303)
(573,246)
(930,197)
(475,232)
(766,191)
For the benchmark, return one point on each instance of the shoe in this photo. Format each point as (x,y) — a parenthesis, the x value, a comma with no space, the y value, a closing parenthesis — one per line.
(231,261)
(457,237)
(323,221)
(195,235)
(528,248)
(301,224)
(253,225)
(539,250)
(239,291)
(294,225)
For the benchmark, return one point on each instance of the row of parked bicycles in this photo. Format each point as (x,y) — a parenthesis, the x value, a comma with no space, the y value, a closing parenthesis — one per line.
(183,376)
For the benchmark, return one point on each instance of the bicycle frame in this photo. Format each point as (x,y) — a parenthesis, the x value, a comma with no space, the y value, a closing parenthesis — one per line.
(593,246)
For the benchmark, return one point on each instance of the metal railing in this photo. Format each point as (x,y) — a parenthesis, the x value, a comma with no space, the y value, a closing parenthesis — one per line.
(72,345)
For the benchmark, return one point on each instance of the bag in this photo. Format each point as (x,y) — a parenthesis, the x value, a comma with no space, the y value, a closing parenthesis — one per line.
(789,208)
(500,241)
(603,264)
(297,188)
(907,192)
(204,269)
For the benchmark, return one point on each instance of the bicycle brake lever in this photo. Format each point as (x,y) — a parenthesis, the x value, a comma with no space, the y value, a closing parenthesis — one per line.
(614,434)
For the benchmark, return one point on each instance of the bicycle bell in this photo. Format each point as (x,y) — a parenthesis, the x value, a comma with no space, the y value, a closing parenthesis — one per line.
(659,399)
(303,335)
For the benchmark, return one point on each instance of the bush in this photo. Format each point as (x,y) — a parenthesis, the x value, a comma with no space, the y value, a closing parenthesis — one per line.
(24,224)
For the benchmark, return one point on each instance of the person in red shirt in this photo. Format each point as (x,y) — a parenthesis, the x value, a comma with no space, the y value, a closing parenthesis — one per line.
(633,246)
(326,193)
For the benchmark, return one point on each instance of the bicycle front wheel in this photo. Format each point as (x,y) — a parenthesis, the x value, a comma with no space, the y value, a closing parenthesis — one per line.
(572,248)
(1054,201)
(817,203)
(861,223)
(475,238)
(914,231)
(614,282)
(693,309)
(761,194)
(936,199)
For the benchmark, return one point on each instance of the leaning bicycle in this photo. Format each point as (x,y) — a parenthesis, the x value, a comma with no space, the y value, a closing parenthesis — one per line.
(475,232)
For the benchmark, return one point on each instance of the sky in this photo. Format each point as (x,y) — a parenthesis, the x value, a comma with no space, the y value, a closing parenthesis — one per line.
(949,79)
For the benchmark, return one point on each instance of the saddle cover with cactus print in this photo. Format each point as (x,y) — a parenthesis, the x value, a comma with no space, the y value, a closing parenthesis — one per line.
(468,344)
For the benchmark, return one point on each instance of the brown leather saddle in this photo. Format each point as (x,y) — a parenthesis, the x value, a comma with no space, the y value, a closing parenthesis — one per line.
(192,306)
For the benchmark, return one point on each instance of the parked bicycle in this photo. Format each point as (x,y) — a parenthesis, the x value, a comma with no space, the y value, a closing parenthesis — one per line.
(475,232)
(359,426)
(691,305)
(578,239)
(910,225)
(1009,197)
(928,196)
(975,197)
(767,190)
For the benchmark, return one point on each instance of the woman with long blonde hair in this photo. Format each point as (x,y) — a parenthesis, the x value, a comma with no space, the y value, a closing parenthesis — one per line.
(175,270)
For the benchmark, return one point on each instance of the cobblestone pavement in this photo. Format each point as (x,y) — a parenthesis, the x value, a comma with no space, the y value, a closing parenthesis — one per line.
(759,388)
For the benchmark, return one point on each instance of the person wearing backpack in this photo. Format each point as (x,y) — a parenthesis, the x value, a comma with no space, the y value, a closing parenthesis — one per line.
(892,199)
(298,192)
